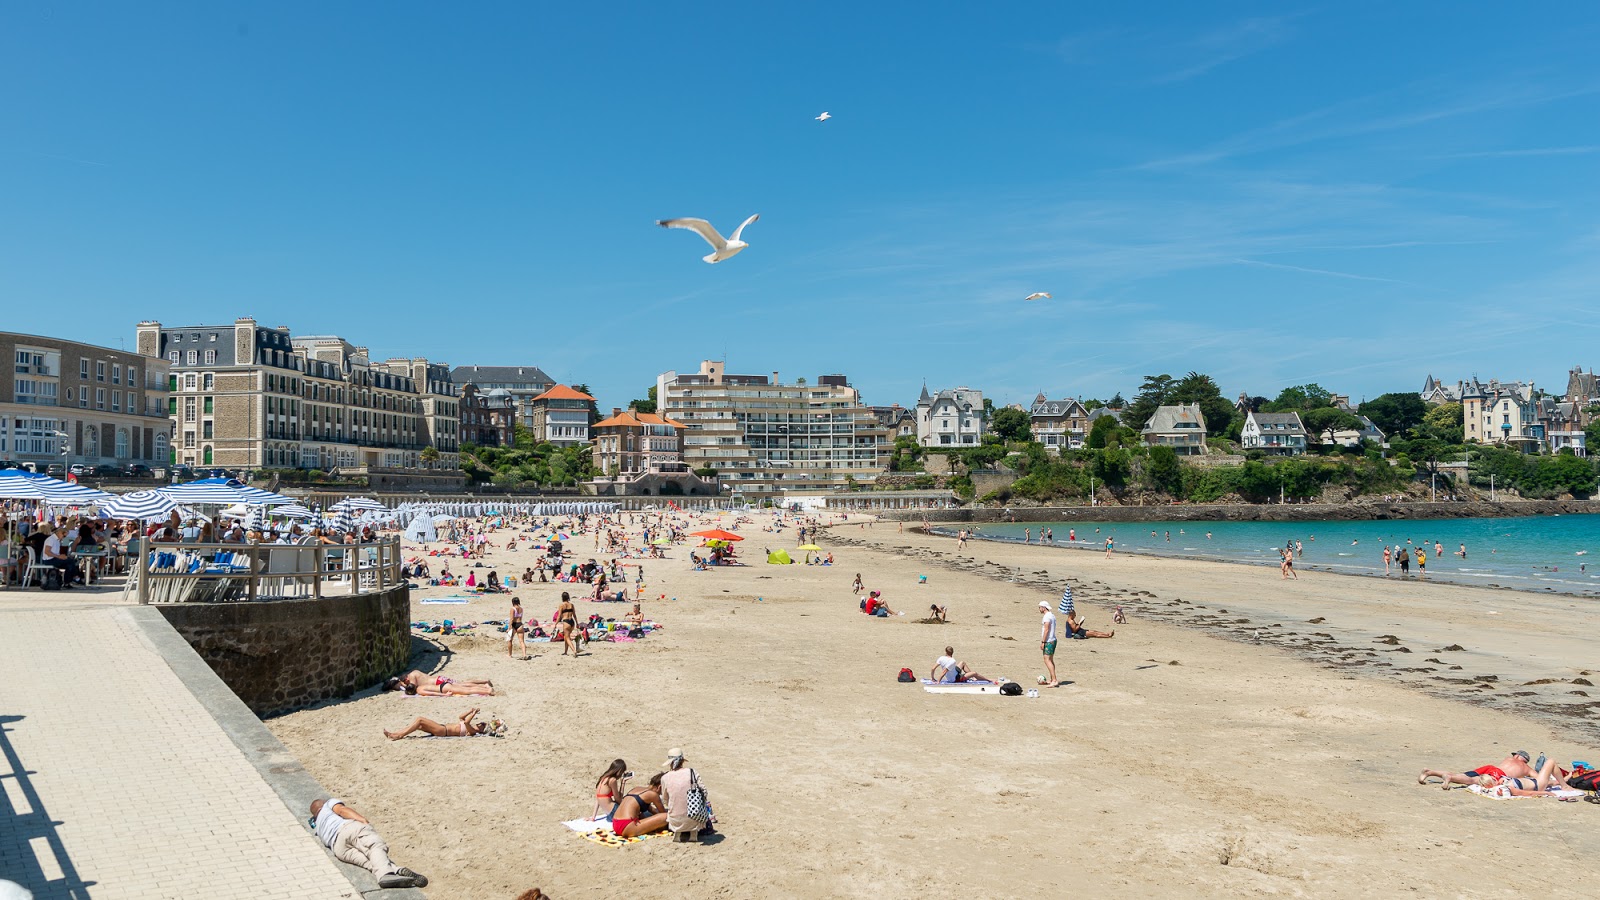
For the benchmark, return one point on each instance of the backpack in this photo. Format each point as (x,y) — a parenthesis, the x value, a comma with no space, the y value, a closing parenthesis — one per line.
(50,579)
(906,675)
(1011,689)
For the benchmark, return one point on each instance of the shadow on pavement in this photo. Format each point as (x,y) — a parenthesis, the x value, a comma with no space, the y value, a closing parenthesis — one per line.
(47,871)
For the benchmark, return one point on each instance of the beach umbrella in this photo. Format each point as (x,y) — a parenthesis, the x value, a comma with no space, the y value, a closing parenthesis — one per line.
(718,534)
(144,506)
(442,518)
(812,547)
(661,542)
(19,484)
(343,522)
(292,510)
(221,491)
(257,520)
(359,504)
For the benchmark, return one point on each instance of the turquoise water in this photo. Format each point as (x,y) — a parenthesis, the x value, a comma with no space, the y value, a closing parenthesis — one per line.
(1535,553)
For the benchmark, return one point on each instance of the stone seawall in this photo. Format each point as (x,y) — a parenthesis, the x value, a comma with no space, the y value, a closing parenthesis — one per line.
(285,654)
(1242,512)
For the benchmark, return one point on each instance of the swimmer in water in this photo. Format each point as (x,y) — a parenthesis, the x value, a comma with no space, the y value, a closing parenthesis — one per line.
(1208,535)
(1462,552)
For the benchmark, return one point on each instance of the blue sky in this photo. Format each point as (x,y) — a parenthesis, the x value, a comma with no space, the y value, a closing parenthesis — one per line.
(1355,194)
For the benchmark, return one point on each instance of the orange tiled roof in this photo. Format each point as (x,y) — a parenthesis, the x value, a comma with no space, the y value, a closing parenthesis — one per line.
(637,418)
(562,392)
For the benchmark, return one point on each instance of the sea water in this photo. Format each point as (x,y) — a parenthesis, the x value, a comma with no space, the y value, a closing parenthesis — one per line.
(1532,553)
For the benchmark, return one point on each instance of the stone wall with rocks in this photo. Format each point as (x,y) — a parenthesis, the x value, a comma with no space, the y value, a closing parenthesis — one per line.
(285,654)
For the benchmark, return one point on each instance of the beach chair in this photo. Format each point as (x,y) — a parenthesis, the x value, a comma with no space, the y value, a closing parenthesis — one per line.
(35,567)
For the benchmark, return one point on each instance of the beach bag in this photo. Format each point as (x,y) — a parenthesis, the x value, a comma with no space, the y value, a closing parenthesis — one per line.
(699,807)
(906,676)
(1585,780)
(50,579)
(1011,689)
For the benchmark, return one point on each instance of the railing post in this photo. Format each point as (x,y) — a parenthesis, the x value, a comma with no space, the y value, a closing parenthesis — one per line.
(140,576)
(319,555)
(255,569)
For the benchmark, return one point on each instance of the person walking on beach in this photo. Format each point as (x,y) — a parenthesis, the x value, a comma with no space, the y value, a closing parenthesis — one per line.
(1072,535)
(1049,536)
(517,635)
(1110,542)
(1047,643)
(1027,535)
(1286,567)
(1387,559)
(1405,559)
(1422,563)
(351,838)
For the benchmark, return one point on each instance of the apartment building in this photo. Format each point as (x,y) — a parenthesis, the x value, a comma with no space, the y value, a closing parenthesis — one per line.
(69,403)
(522,383)
(248,396)
(487,417)
(764,436)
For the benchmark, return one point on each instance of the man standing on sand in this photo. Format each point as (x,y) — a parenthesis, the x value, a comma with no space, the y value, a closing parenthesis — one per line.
(1047,643)
(1110,542)
(351,838)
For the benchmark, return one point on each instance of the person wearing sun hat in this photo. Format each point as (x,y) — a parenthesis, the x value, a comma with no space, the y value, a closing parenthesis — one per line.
(675,784)
(1047,644)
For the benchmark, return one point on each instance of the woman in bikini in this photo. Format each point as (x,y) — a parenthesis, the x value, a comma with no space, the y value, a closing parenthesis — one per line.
(640,812)
(462,727)
(518,631)
(609,787)
(416,682)
(567,624)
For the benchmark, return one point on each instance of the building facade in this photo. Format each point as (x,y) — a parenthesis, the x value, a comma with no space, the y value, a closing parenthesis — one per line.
(765,437)
(1181,427)
(1506,413)
(247,396)
(952,418)
(487,417)
(562,416)
(1282,434)
(629,443)
(522,383)
(68,403)
(1058,424)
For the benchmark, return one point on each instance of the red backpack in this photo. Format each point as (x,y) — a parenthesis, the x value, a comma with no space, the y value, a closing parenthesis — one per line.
(906,675)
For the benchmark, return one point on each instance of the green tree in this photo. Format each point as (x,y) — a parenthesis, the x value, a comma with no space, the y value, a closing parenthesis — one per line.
(647,405)
(1202,390)
(988,410)
(1395,413)
(430,454)
(1103,429)
(1443,422)
(1012,424)
(1153,393)
(1299,398)
(1116,401)
(1163,471)
(1324,421)
(1591,433)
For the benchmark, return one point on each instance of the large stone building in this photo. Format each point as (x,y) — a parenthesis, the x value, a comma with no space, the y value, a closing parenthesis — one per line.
(247,396)
(952,418)
(1497,412)
(764,436)
(487,417)
(522,383)
(562,416)
(70,403)
(1058,424)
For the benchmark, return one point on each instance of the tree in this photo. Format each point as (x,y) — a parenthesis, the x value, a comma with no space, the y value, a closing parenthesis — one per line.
(1153,393)
(988,410)
(1103,428)
(647,405)
(430,455)
(1395,413)
(1116,401)
(1592,434)
(1012,424)
(1444,422)
(1299,398)
(1202,391)
(1163,471)
(1326,420)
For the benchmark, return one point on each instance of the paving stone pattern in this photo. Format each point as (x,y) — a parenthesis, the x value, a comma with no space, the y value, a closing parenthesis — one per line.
(139,790)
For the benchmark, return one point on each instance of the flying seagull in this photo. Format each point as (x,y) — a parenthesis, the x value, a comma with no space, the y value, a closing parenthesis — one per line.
(825,117)
(721,249)
(1037,296)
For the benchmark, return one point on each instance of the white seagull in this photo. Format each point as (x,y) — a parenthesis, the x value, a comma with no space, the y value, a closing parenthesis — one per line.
(721,249)
(1037,296)
(825,117)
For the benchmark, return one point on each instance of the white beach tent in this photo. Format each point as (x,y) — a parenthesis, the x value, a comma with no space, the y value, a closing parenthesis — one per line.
(421,529)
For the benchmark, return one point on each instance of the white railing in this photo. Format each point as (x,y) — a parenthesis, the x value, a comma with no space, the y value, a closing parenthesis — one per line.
(214,573)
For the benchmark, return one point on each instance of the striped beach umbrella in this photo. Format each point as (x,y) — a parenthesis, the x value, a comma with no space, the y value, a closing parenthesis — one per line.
(359,504)
(222,491)
(18,484)
(343,522)
(144,506)
(256,521)
(292,510)
(1066,601)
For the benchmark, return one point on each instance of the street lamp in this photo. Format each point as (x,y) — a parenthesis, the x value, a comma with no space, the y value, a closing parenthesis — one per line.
(66,450)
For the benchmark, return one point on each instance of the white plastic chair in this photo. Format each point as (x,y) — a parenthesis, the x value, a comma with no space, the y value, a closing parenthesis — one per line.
(35,565)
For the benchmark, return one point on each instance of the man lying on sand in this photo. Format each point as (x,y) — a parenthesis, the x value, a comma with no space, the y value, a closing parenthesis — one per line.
(1514,767)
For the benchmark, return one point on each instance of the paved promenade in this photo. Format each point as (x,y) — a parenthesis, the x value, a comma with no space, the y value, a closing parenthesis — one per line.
(118,779)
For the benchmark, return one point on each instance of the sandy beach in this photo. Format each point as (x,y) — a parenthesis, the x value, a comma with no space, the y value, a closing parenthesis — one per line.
(1222,743)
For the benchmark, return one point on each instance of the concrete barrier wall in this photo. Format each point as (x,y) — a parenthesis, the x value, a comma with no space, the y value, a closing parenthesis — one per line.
(286,654)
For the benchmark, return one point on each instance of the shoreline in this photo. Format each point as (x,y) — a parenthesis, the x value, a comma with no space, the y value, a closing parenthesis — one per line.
(1248,512)
(1440,576)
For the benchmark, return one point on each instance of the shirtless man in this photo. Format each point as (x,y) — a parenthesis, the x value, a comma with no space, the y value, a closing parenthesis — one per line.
(462,727)
(1513,766)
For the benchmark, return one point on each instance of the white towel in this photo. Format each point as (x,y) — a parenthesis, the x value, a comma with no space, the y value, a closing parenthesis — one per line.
(584,826)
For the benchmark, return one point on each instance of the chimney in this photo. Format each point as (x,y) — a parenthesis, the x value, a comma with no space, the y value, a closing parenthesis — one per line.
(616,410)
(774,377)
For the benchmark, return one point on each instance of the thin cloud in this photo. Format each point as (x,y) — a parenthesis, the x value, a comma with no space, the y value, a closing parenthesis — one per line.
(1328,272)
(1531,151)
(1233,42)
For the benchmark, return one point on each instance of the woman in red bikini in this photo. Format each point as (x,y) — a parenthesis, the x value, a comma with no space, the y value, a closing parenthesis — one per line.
(640,812)
(1513,766)
(609,787)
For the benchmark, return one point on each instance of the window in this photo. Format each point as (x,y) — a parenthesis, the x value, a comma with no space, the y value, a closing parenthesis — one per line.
(172,406)
(116,401)
(161,447)
(188,409)
(122,443)
(211,357)
(208,406)
(192,358)
(213,336)
(116,373)
(83,398)
(83,368)
(205,429)
(188,440)
(188,382)
(207,380)
(99,371)
(133,377)
(41,393)
(173,356)
(99,398)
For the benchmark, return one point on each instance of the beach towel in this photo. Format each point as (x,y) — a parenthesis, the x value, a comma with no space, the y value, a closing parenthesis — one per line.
(964,687)
(610,839)
(437,601)
(585,826)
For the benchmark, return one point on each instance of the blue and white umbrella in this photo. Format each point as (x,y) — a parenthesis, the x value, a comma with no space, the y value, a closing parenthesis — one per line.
(225,491)
(18,484)
(359,504)
(292,510)
(144,506)
(342,522)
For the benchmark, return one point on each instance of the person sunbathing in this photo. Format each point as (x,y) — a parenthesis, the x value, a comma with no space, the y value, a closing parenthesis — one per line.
(948,670)
(1513,766)
(462,727)
(417,683)
(635,618)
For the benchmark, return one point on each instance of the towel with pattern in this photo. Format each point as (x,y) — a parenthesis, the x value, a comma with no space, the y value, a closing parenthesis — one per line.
(610,839)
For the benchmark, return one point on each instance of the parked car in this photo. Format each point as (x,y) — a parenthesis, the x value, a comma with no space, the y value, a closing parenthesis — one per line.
(107,472)
(56,470)
(80,469)
(181,472)
(137,470)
